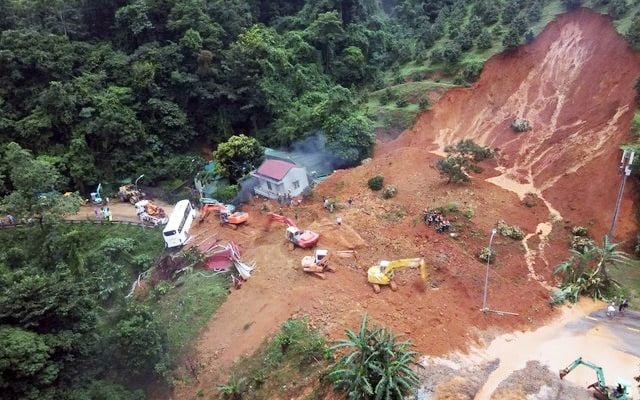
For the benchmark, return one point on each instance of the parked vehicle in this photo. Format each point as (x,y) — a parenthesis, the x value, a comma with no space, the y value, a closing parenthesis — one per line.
(176,232)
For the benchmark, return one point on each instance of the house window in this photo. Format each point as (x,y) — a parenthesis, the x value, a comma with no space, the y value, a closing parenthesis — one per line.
(296,184)
(269,185)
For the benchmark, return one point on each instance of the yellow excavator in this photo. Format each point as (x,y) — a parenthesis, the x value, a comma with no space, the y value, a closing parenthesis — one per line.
(383,272)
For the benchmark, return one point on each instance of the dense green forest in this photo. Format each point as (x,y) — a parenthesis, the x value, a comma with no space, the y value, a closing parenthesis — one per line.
(103,90)
(106,89)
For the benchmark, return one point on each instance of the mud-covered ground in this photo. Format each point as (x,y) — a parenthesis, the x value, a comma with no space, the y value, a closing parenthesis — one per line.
(574,83)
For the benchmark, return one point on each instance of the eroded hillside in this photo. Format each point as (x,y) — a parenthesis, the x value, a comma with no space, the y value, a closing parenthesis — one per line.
(575,84)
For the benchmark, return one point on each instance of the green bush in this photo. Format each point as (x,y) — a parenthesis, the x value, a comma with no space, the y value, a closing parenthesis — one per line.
(401,103)
(423,103)
(226,194)
(471,71)
(468,213)
(487,255)
(233,389)
(387,96)
(512,232)
(447,208)
(376,182)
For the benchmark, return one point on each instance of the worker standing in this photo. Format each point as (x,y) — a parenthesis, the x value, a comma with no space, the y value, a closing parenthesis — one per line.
(339,221)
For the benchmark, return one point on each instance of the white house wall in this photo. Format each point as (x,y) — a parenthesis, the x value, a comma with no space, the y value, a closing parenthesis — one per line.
(295,174)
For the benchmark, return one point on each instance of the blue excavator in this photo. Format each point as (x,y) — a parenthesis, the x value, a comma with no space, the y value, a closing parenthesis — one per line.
(600,390)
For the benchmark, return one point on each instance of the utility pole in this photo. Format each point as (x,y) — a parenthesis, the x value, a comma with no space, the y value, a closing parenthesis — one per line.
(486,277)
(627,157)
(485,309)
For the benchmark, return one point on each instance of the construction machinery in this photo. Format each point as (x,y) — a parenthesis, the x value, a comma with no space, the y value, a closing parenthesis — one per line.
(215,208)
(297,237)
(233,219)
(130,193)
(318,263)
(151,213)
(96,197)
(383,272)
(601,390)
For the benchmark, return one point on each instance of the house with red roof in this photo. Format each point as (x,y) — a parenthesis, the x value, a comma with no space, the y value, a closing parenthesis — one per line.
(279,177)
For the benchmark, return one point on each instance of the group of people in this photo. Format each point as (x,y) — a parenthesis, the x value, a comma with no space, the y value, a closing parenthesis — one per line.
(611,309)
(103,213)
(437,220)
(286,199)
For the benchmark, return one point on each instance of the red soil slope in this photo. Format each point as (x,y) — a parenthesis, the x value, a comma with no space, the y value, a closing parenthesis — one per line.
(575,85)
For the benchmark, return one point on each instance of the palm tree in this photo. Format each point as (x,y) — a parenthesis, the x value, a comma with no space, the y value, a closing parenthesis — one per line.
(374,365)
(609,256)
(587,270)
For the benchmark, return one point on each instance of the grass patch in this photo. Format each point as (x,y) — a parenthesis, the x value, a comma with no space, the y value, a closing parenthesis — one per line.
(629,278)
(283,367)
(390,116)
(186,308)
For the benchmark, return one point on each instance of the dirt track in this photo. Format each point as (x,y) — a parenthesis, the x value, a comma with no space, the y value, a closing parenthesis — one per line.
(580,104)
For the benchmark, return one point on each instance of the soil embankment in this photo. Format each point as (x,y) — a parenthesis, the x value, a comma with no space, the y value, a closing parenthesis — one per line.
(574,83)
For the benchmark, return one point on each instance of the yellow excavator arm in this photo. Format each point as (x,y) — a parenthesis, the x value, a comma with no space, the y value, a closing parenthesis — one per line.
(382,273)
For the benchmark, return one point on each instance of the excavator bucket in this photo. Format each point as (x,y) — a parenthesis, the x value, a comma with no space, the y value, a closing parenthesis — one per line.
(563,372)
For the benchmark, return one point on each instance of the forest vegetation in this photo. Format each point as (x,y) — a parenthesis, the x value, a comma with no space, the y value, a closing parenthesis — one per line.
(100,91)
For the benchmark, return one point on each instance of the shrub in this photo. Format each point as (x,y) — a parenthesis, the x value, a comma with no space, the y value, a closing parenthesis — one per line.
(376,182)
(487,255)
(468,213)
(389,192)
(387,96)
(571,4)
(512,232)
(484,40)
(617,8)
(447,208)
(520,125)
(582,244)
(579,231)
(401,103)
(226,194)
(233,389)
(458,80)
(471,71)
(423,103)
(468,146)
(298,342)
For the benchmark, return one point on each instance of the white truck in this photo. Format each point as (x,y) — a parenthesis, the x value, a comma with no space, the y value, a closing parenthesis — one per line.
(149,213)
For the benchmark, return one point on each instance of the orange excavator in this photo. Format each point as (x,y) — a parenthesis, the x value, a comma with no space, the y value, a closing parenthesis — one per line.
(214,208)
(233,219)
(296,236)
